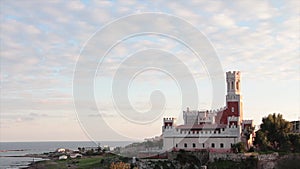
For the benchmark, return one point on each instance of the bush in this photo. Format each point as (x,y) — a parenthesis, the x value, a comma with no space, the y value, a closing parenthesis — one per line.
(120,165)
(239,147)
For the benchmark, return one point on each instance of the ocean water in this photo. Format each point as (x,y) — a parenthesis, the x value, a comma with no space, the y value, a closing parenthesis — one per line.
(11,152)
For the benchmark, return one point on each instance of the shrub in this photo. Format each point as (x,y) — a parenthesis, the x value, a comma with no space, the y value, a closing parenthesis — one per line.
(119,165)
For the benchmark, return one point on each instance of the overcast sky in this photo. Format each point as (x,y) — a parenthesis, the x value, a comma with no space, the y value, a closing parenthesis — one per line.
(41,43)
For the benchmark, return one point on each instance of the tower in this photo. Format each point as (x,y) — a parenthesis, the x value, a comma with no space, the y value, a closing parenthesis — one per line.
(233,86)
(168,123)
(233,98)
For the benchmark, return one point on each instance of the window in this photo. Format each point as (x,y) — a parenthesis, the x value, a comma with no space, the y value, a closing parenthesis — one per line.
(194,145)
(232,109)
(231,85)
(203,145)
(228,86)
(185,145)
(213,145)
(222,145)
(176,145)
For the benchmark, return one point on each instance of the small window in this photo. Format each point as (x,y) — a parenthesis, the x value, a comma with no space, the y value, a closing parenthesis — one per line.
(176,145)
(185,145)
(228,84)
(222,145)
(203,145)
(213,145)
(194,145)
(232,109)
(232,85)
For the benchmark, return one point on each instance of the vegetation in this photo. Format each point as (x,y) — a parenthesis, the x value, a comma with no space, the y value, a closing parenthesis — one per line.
(239,147)
(133,149)
(184,158)
(250,162)
(291,162)
(104,161)
(120,165)
(84,163)
(148,144)
(275,135)
(97,151)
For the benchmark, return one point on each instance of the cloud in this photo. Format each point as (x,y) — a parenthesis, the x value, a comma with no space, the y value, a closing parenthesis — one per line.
(106,115)
(41,46)
(223,20)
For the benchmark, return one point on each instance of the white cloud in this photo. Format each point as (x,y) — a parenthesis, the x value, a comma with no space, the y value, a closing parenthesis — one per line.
(223,20)
(41,42)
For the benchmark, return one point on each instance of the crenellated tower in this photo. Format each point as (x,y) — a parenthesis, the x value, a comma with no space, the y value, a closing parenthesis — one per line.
(234,102)
(233,80)
(169,123)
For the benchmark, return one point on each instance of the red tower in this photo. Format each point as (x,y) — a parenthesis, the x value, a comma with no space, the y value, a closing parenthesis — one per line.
(234,105)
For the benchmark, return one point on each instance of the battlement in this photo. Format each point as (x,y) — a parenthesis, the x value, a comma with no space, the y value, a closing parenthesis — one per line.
(228,131)
(233,118)
(247,121)
(169,119)
(233,74)
(213,111)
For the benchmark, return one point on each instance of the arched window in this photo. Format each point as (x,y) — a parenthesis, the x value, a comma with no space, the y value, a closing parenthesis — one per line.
(194,145)
(185,145)
(213,145)
(221,145)
(232,85)
(228,84)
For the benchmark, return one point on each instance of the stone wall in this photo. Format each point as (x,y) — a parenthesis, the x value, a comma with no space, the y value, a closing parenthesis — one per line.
(242,156)
(184,159)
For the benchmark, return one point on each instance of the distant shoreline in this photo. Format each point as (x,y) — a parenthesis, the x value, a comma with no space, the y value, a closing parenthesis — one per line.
(21,154)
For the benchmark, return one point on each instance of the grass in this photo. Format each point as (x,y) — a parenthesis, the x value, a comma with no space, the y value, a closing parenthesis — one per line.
(92,162)
(83,163)
(87,162)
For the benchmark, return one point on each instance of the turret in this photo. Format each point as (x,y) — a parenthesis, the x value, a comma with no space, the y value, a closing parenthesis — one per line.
(168,123)
(233,85)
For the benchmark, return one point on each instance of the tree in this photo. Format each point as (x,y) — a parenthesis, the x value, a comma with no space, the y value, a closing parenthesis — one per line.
(295,141)
(262,141)
(239,147)
(273,133)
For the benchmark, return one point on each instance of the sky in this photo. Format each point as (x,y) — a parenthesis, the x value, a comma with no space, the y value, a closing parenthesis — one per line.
(42,44)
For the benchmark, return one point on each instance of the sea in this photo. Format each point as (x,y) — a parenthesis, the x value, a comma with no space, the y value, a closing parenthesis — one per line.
(12,153)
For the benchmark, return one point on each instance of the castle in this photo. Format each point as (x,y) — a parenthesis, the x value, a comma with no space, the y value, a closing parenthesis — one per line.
(214,130)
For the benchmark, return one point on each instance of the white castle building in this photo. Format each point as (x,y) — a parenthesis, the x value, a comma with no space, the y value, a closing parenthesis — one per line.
(214,130)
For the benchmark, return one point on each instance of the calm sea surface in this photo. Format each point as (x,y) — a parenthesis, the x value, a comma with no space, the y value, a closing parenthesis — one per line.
(9,149)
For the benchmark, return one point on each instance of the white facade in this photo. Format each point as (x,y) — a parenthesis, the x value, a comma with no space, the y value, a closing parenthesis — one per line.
(210,137)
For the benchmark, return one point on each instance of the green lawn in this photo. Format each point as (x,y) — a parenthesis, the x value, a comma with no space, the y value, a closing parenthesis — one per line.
(89,163)
(83,163)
